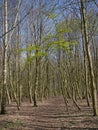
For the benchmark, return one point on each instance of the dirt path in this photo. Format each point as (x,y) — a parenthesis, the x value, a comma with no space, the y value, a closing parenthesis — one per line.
(49,115)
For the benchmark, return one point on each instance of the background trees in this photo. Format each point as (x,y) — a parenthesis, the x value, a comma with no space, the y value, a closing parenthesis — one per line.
(47,53)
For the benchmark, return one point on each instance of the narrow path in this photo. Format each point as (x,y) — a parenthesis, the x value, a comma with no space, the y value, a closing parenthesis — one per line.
(49,115)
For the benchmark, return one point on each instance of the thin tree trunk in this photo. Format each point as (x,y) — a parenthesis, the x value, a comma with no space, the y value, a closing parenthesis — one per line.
(5,40)
(36,84)
(88,51)
(86,69)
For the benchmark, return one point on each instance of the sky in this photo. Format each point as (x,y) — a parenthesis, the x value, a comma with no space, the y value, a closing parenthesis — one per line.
(66,4)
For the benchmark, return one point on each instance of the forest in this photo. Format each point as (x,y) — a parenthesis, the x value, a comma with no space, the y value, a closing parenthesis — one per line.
(48,64)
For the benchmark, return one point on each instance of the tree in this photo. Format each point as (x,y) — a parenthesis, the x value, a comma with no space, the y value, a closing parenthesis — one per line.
(5,46)
(89,58)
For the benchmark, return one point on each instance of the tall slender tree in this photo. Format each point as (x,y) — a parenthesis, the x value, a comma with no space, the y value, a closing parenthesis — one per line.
(89,58)
(5,46)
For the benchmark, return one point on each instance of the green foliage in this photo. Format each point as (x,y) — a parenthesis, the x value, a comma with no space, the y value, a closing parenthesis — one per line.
(63,30)
(29,48)
(47,37)
(38,54)
(54,42)
(51,42)
(33,51)
(62,25)
(72,25)
(62,44)
(33,56)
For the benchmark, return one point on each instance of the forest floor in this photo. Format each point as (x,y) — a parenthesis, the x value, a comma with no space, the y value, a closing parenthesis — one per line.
(49,115)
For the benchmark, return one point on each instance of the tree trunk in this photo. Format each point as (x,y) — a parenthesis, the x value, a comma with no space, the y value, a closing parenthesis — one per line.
(3,102)
(36,84)
(88,51)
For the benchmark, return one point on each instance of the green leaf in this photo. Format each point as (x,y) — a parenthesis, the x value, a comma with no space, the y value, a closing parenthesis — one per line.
(47,37)
(36,55)
(63,30)
(30,48)
(39,54)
